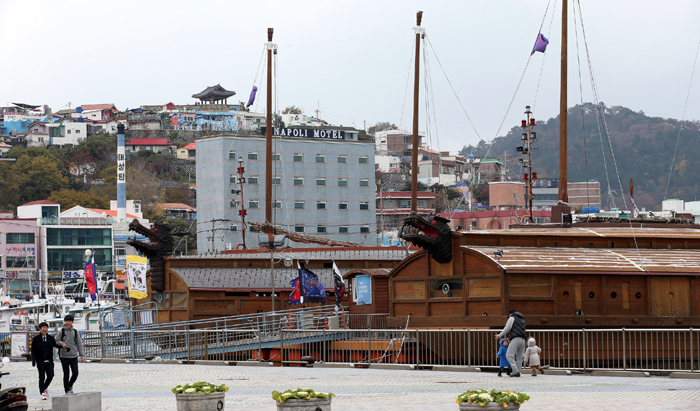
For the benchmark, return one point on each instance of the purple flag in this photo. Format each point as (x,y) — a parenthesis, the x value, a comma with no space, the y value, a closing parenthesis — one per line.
(540,44)
(252,97)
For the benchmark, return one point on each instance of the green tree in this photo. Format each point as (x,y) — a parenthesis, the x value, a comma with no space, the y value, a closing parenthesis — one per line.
(381,126)
(37,177)
(71,198)
(191,239)
(293,110)
(419,187)
(9,190)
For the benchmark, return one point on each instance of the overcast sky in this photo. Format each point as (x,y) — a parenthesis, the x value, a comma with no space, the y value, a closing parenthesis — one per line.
(133,53)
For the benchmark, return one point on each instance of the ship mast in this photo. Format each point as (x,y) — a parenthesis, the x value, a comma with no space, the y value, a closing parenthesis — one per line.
(562,206)
(268,133)
(416,140)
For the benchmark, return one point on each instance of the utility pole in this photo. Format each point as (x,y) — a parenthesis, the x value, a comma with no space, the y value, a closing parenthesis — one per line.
(213,234)
(242,212)
(528,139)
(416,139)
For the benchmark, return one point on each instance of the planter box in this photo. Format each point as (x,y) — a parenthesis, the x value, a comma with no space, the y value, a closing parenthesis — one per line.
(315,404)
(463,406)
(201,402)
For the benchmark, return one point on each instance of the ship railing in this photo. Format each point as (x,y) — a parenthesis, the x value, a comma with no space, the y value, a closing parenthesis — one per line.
(267,322)
(661,350)
(578,350)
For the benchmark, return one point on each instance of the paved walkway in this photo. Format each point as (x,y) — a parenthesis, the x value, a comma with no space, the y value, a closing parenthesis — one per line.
(130,387)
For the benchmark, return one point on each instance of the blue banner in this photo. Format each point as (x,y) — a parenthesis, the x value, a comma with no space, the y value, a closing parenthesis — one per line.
(363,289)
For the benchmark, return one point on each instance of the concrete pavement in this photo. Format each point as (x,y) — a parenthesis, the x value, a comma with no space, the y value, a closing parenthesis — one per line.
(133,387)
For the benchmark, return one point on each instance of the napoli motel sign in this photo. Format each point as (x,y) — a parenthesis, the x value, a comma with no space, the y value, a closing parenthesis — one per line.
(309,133)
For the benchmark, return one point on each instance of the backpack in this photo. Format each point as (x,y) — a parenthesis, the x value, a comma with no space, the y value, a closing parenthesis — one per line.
(75,334)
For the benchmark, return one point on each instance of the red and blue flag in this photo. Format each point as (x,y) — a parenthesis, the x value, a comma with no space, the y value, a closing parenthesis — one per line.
(91,277)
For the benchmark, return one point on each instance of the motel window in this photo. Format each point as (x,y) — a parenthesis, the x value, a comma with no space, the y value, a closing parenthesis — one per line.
(364,229)
(234,227)
(19,238)
(364,160)
(276,180)
(232,179)
(252,156)
(253,180)
(342,159)
(298,228)
(298,158)
(298,181)
(343,229)
(320,181)
(298,205)
(364,182)
(342,182)
(343,205)
(320,205)
(253,204)
(231,155)
(321,229)
(320,158)
(277,204)
(364,205)
(275,157)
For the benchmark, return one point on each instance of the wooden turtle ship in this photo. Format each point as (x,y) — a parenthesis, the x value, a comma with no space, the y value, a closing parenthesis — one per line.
(558,277)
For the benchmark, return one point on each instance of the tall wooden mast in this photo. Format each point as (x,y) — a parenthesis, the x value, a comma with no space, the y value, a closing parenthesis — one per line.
(562,208)
(563,120)
(416,140)
(268,133)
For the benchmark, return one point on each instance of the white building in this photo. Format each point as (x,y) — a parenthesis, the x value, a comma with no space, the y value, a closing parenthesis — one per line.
(60,133)
(673,204)
(387,163)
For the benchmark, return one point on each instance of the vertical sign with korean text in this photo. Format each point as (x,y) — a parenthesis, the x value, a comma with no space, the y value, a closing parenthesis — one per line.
(363,289)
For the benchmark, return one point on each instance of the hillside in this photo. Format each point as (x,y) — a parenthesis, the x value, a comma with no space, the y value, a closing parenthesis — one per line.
(643,148)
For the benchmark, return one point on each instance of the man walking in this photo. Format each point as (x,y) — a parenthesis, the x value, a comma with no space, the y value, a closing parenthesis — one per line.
(518,334)
(69,338)
(42,356)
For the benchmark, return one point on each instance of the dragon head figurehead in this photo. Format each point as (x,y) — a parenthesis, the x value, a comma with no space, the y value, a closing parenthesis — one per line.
(431,233)
(160,239)
(160,244)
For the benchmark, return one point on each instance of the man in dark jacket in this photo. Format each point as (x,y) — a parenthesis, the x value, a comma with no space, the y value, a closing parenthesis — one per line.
(518,334)
(42,357)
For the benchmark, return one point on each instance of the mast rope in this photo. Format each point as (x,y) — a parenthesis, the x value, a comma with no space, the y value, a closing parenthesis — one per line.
(680,123)
(405,93)
(452,87)
(607,133)
(350,39)
(549,30)
(517,87)
(597,101)
(583,110)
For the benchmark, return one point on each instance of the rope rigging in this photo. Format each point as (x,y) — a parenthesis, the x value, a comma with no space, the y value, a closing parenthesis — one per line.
(680,124)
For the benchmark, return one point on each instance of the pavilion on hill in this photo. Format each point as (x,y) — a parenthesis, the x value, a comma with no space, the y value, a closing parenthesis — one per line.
(214,94)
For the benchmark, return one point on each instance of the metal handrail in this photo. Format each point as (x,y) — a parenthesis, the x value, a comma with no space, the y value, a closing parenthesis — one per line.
(244,318)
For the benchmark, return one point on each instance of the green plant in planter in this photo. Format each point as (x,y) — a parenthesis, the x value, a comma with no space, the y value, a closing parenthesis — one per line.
(299,394)
(199,388)
(482,397)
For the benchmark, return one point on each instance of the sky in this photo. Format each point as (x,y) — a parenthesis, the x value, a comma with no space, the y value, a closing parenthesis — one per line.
(352,60)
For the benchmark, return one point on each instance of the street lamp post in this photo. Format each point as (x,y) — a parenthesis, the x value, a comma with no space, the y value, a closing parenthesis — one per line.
(528,139)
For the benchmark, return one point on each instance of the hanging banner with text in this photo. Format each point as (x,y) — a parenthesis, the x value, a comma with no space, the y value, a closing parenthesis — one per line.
(136,275)
(363,289)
